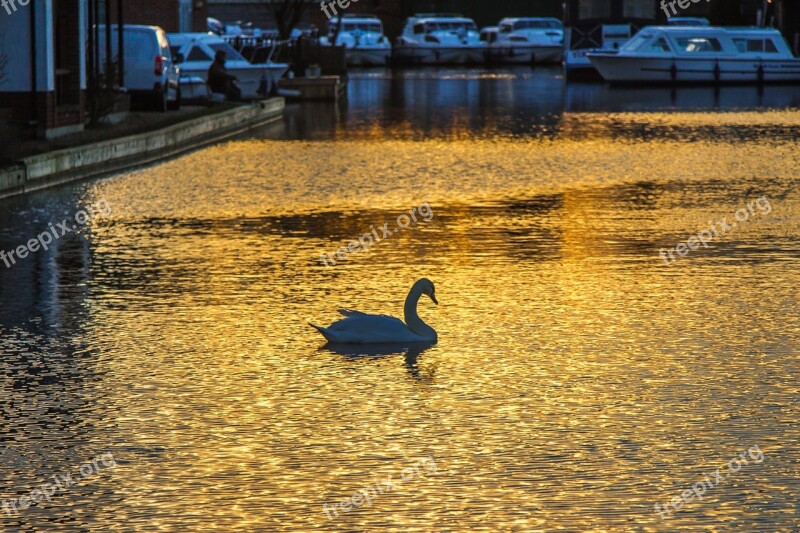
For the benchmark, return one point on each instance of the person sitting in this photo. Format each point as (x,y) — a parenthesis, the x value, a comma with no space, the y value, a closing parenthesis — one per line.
(219,81)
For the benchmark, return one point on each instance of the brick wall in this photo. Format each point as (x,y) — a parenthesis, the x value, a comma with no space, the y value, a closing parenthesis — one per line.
(164,13)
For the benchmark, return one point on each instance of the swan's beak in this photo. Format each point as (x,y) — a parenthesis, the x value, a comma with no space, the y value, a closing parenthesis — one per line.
(433,297)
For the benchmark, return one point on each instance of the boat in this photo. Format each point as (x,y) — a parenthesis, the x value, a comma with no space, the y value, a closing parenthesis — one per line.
(600,24)
(363,39)
(197,53)
(439,39)
(696,54)
(527,40)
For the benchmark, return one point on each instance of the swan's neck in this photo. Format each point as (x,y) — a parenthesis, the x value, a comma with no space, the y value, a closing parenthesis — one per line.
(413,321)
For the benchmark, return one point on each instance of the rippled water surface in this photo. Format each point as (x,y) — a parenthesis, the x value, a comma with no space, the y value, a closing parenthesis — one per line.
(577,380)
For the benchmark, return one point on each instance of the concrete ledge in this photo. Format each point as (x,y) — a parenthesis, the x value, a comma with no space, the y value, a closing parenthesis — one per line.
(321,88)
(81,162)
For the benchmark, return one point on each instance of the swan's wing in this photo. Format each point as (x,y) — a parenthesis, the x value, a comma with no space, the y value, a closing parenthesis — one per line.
(359,328)
(350,312)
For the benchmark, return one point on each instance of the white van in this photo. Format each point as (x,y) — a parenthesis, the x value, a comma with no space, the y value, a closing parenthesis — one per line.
(150,72)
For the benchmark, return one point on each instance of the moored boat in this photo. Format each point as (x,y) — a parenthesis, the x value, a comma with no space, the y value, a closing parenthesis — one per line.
(198,49)
(675,55)
(363,39)
(437,39)
(527,40)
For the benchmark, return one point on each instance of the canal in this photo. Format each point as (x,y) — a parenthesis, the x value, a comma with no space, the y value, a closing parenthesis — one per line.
(595,357)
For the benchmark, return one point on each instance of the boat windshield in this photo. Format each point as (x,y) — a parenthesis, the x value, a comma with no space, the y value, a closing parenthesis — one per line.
(537,25)
(362,27)
(450,26)
(230,52)
(640,40)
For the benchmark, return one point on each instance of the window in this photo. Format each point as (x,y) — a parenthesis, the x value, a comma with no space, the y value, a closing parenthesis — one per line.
(659,45)
(197,54)
(643,9)
(770,47)
(589,9)
(505,28)
(756,45)
(698,45)
(419,28)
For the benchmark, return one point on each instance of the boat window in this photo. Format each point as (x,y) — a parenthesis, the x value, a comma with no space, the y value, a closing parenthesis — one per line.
(505,28)
(698,45)
(660,45)
(419,28)
(756,45)
(518,39)
(197,54)
(174,50)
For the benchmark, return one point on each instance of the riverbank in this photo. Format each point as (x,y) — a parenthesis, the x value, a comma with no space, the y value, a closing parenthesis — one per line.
(135,143)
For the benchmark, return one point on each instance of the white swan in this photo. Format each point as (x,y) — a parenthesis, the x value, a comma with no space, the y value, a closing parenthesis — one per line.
(361,328)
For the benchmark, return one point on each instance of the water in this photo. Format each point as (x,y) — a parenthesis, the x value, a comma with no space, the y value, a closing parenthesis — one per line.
(577,381)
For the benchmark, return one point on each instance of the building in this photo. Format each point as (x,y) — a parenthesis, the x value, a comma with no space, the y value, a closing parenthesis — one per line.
(46,50)
(392,12)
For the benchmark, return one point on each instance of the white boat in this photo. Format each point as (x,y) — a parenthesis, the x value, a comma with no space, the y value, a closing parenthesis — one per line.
(363,39)
(198,49)
(429,39)
(527,40)
(674,54)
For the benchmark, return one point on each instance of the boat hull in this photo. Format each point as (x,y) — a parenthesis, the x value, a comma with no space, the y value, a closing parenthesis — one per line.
(667,70)
(577,66)
(524,55)
(249,78)
(368,57)
(440,55)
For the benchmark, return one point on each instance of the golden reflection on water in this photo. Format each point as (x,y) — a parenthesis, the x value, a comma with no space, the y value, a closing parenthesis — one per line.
(576,382)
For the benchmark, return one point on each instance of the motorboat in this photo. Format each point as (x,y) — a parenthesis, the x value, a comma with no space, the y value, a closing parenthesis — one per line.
(197,52)
(363,39)
(527,40)
(696,54)
(439,39)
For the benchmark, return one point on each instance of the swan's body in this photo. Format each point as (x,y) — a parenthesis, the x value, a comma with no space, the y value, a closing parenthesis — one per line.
(361,328)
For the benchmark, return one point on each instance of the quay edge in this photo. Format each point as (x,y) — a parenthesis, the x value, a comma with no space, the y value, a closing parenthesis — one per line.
(118,154)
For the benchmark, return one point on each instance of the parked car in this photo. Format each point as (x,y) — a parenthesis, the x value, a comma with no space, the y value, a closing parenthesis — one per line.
(150,73)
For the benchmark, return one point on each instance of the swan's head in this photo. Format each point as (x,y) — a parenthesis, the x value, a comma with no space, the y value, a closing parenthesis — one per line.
(425,286)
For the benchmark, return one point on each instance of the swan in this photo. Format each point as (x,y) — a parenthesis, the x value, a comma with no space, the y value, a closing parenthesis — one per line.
(361,328)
